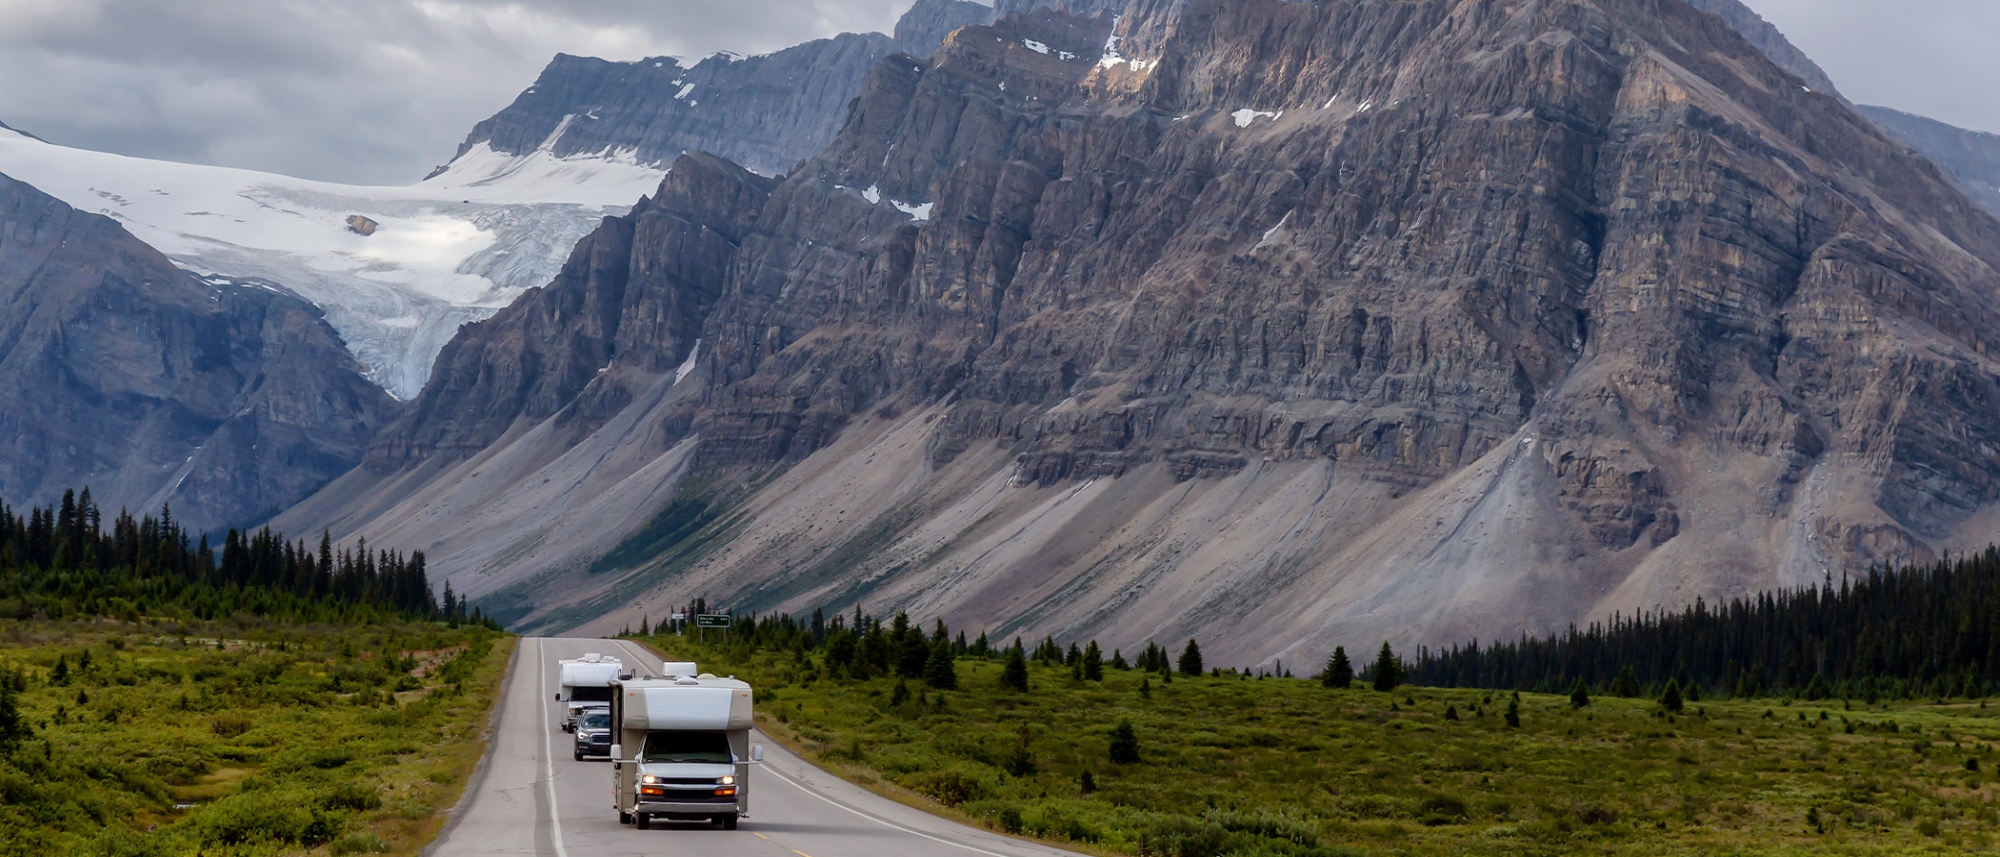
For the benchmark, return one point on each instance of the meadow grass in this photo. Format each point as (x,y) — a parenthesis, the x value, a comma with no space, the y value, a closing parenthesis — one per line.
(241,737)
(1248,766)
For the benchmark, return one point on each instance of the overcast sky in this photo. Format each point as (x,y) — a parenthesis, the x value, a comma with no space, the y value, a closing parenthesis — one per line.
(379,91)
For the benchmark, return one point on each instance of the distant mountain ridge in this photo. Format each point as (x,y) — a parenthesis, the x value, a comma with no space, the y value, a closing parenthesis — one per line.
(1971,156)
(765,112)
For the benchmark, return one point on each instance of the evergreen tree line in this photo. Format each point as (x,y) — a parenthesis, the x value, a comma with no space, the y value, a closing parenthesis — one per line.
(60,559)
(863,646)
(1916,632)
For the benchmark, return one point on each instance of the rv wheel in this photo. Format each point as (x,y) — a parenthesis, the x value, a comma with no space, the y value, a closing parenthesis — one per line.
(624,818)
(644,821)
(729,822)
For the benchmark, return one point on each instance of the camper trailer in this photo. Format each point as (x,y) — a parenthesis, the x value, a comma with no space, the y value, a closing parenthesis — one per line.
(585,683)
(681,749)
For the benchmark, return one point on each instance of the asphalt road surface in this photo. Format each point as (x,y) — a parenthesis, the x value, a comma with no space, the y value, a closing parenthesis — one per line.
(531,797)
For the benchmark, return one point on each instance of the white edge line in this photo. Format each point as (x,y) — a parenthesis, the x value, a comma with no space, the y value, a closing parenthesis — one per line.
(881,821)
(549,751)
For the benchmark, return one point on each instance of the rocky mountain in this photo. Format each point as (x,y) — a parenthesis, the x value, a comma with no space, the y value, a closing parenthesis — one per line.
(1283,324)
(766,112)
(1971,156)
(118,371)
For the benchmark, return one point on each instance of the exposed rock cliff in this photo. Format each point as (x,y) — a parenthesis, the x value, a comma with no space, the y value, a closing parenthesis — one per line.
(1766,38)
(766,112)
(1324,323)
(121,372)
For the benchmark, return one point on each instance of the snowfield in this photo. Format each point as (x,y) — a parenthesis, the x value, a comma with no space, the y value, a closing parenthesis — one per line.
(450,250)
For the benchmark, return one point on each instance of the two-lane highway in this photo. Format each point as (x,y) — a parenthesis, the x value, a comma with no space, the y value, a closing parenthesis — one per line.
(531,797)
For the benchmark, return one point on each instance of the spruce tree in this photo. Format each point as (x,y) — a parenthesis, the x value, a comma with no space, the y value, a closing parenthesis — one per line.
(1014,676)
(13,730)
(1626,685)
(1670,699)
(1388,671)
(941,670)
(1339,673)
(1190,662)
(1579,696)
(1093,662)
(1124,744)
(1514,712)
(1118,660)
(916,654)
(645,627)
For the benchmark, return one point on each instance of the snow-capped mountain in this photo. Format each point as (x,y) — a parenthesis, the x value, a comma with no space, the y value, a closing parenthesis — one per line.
(452,249)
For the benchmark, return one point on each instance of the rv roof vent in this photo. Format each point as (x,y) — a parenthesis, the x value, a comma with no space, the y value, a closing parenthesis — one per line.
(706,675)
(687,681)
(592,658)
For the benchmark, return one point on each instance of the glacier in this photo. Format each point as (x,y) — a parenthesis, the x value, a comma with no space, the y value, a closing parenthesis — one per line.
(447,251)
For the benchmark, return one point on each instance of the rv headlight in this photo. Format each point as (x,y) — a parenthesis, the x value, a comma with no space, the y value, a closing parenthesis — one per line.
(727,780)
(649,778)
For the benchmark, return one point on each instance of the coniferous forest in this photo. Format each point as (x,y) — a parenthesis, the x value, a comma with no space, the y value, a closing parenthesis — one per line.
(1920,632)
(61,560)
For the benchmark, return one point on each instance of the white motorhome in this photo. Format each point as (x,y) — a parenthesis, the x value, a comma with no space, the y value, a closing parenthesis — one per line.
(682,748)
(585,683)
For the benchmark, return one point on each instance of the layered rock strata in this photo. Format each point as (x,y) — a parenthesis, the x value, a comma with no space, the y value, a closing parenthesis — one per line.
(1323,324)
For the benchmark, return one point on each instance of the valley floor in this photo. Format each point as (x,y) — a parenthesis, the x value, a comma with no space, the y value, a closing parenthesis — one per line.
(1242,765)
(157,737)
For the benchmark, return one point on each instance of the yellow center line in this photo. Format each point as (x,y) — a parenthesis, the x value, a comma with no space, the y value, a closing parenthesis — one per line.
(760,836)
(800,853)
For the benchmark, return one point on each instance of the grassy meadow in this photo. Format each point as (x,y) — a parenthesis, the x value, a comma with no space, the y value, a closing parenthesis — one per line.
(1247,766)
(239,737)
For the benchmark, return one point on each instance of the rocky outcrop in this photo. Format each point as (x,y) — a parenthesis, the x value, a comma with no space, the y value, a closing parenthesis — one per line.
(1325,323)
(1769,41)
(924,26)
(230,401)
(765,112)
(635,291)
(1973,157)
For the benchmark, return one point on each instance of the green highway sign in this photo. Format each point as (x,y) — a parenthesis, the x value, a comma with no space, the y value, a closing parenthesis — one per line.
(711,620)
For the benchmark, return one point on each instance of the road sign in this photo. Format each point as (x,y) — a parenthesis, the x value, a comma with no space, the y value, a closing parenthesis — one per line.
(711,620)
(679,617)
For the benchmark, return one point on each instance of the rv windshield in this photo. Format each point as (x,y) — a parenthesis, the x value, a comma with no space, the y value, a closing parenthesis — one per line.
(590,693)
(711,747)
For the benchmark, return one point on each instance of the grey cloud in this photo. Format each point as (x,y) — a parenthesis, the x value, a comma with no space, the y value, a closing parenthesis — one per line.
(379,91)
(372,91)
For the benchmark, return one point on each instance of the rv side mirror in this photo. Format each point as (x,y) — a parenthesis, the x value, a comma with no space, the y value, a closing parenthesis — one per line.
(617,753)
(558,697)
(756,752)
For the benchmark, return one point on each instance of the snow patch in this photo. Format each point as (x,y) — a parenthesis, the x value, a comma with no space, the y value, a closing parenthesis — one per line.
(1246,116)
(873,194)
(687,365)
(685,89)
(1111,58)
(916,212)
